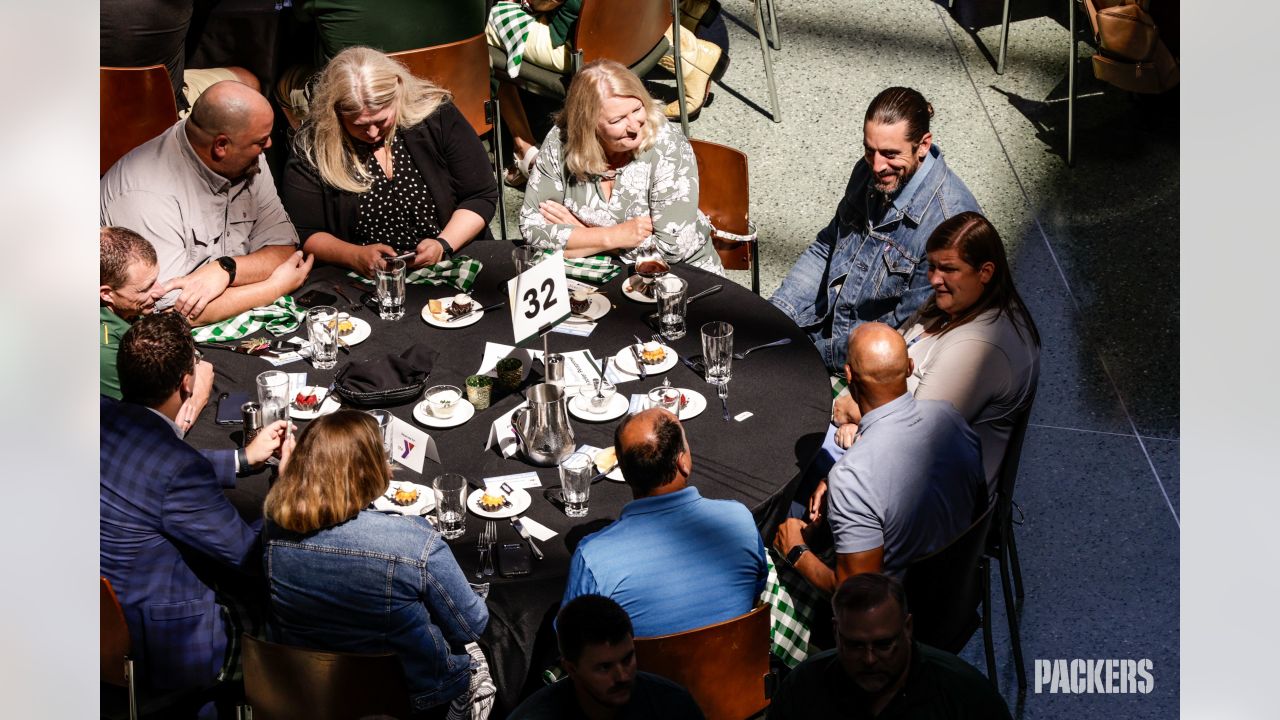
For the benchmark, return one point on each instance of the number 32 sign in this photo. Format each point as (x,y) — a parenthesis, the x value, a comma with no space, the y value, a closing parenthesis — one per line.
(538,298)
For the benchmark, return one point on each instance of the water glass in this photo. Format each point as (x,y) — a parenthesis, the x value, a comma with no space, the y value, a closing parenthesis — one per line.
(667,398)
(390,279)
(525,257)
(672,292)
(451,504)
(717,351)
(322,329)
(384,419)
(575,483)
(273,396)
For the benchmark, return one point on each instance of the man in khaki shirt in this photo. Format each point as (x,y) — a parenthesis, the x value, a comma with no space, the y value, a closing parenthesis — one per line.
(202,195)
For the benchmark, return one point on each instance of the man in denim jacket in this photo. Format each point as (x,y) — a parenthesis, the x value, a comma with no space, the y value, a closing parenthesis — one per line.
(868,263)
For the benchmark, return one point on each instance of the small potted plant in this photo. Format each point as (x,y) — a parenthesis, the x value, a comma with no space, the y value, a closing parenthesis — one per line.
(479,389)
(510,372)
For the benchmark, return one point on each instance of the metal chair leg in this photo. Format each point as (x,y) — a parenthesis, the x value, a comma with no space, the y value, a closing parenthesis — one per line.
(775,40)
(1017,567)
(755,267)
(496,109)
(1071,84)
(679,64)
(133,698)
(768,64)
(1015,638)
(1004,38)
(988,645)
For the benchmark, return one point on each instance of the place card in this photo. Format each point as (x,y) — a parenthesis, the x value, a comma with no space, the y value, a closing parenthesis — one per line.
(493,352)
(580,329)
(537,530)
(502,434)
(639,403)
(524,480)
(411,447)
(743,415)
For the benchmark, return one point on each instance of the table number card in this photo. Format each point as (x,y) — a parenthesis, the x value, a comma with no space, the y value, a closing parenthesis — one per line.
(538,298)
(411,447)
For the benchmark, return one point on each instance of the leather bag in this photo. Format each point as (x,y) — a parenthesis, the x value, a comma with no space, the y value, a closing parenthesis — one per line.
(1130,54)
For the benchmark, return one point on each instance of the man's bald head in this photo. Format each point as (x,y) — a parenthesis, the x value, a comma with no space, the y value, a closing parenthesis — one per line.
(227,108)
(878,364)
(229,128)
(652,450)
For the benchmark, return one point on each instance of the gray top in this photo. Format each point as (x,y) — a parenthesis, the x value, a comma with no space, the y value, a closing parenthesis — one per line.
(911,482)
(985,369)
(162,191)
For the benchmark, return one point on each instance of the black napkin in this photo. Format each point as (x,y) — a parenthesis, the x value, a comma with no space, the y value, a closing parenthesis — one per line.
(390,372)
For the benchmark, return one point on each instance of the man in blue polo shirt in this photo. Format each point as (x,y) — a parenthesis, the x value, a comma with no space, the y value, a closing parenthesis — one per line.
(674,560)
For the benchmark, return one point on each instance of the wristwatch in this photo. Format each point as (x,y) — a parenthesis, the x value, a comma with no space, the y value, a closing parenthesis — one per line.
(230,266)
(448,249)
(794,553)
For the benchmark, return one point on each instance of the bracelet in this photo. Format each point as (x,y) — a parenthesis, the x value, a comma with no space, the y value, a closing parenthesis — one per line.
(448,249)
(794,553)
(242,461)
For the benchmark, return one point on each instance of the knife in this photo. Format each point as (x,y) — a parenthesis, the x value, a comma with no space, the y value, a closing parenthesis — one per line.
(636,354)
(519,526)
(651,317)
(494,306)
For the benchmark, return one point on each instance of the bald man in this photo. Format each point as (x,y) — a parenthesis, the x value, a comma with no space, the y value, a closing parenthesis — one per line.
(910,485)
(202,195)
(669,540)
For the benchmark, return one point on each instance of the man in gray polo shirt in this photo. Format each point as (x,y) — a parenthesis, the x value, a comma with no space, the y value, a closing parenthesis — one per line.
(202,195)
(908,486)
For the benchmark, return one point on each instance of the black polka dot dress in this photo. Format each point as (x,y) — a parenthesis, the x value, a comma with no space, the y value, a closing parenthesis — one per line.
(398,211)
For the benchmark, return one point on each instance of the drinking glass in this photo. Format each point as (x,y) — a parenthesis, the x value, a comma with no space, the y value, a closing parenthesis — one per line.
(451,504)
(575,483)
(273,396)
(717,351)
(525,257)
(383,418)
(672,291)
(667,398)
(322,328)
(391,289)
(443,399)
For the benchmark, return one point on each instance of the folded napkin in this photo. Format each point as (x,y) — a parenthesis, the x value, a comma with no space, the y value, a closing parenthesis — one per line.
(280,317)
(597,268)
(794,604)
(459,272)
(511,24)
(389,372)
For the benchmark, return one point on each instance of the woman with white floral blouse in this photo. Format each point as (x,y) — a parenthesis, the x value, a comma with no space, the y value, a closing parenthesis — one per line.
(613,173)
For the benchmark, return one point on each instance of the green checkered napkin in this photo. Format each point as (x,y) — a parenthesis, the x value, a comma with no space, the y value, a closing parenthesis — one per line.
(279,318)
(511,24)
(838,384)
(460,272)
(597,268)
(793,602)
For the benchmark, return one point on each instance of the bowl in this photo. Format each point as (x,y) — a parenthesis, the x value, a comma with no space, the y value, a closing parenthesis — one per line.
(442,400)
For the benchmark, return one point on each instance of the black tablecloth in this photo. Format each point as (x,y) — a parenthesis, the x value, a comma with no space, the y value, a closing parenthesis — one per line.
(755,461)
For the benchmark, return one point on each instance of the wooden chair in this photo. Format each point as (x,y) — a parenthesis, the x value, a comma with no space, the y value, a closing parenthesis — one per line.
(462,68)
(282,681)
(946,587)
(724,195)
(724,666)
(115,665)
(135,105)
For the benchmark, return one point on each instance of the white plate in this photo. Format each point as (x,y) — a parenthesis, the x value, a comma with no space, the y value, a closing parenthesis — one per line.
(471,319)
(637,296)
(615,473)
(626,362)
(599,308)
(580,407)
(520,501)
(697,403)
(359,334)
(462,413)
(426,500)
(328,403)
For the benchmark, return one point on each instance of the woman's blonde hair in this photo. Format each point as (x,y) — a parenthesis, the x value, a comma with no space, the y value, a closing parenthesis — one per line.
(338,467)
(358,79)
(595,82)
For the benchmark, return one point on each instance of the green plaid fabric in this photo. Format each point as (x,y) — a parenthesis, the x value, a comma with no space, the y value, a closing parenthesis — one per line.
(838,384)
(511,24)
(597,268)
(279,318)
(460,272)
(792,602)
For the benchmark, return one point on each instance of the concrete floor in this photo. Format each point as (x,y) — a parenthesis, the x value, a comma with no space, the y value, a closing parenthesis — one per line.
(1095,254)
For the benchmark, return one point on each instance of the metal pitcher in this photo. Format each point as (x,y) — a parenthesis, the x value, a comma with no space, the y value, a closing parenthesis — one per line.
(542,429)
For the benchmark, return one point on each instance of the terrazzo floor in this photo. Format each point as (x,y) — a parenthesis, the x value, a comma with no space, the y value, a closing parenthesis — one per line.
(1095,254)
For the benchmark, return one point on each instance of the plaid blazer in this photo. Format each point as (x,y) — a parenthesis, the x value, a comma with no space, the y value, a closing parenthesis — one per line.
(160,498)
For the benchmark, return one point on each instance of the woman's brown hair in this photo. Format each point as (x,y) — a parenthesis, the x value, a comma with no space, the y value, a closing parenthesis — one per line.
(338,467)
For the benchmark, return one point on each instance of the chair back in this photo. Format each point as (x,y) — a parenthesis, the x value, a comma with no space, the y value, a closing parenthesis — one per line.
(621,30)
(460,67)
(281,681)
(1008,477)
(724,195)
(113,634)
(724,666)
(945,588)
(135,105)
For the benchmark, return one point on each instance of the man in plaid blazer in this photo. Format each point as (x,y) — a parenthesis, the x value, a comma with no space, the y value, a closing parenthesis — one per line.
(161,500)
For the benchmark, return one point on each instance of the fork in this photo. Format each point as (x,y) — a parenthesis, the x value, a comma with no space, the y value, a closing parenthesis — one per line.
(354,305)
(491,531)
(743,355)
(723,391)
(481,548)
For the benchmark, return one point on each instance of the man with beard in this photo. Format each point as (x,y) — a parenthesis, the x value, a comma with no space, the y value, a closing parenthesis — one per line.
(868,264)
(202,195)
(877,670)
(599,657)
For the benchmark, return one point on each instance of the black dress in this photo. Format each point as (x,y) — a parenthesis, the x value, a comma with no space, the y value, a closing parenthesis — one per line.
(399,210)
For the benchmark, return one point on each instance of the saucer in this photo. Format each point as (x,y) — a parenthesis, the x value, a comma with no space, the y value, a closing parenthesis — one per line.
(696,403)
(599,308)
(462,413)
(634,295)
(580,407)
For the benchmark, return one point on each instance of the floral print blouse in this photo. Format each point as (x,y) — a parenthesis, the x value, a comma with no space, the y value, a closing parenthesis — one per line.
(661,182)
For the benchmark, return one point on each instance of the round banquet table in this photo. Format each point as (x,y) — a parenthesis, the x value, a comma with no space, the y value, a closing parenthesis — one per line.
(757,461)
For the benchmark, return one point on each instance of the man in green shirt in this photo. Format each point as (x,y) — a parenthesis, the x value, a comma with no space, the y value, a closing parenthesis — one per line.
(128,271)
(877,670)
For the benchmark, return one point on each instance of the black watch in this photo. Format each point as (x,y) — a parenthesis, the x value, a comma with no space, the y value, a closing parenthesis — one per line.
(229,265)
(448,249)
(794,553)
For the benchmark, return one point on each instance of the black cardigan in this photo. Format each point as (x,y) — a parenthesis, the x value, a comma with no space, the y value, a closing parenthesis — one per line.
(444,147)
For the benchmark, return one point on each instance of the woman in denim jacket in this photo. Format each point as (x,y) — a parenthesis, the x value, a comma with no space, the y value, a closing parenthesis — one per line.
(349,579)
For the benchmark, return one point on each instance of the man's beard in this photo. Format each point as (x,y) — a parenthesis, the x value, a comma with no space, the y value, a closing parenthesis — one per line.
(250,171)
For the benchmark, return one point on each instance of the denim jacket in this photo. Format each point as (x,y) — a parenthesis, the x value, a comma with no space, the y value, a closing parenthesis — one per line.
(378,583)
(860,270)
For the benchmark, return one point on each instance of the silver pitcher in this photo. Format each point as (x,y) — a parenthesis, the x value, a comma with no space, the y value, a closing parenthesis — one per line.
(542,429)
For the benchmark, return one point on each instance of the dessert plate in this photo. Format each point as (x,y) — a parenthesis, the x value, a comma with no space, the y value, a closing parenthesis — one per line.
(444,323)
(520,501)
(626,362)
(425,503)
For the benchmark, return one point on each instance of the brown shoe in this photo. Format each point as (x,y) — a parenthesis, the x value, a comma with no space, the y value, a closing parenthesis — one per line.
(700,60)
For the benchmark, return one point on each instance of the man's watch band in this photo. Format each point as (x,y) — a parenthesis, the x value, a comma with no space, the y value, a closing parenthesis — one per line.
(794,553)
(228,264)
(448,249)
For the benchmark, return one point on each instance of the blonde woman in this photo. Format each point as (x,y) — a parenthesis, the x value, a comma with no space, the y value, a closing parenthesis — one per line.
(346,578)
(612,173)
(385,165)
